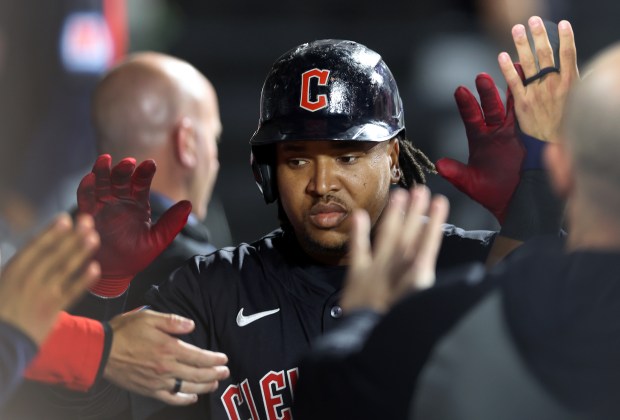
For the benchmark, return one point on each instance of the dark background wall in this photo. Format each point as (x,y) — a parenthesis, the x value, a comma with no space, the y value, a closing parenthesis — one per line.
(431,47)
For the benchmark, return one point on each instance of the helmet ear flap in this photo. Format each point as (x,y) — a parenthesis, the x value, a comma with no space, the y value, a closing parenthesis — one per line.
(264,175)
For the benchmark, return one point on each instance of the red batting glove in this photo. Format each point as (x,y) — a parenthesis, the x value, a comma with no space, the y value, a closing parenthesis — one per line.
(118,199)
(495,151)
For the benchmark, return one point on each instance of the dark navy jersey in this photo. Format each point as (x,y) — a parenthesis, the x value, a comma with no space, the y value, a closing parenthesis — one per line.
(16,351)
(263,304)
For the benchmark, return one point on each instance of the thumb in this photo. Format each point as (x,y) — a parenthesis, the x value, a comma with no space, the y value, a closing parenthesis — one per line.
(170,224)
(453,171)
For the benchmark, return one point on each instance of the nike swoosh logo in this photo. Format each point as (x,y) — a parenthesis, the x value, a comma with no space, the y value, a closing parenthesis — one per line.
(242,321)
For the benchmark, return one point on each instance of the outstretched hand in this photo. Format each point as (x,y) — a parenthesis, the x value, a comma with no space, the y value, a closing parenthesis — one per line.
(539,105)
(118,199)
(404,254)
(48,275)
(147,358)
(492,172)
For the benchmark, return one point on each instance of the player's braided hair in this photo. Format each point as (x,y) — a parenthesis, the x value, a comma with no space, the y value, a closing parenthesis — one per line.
(413,163)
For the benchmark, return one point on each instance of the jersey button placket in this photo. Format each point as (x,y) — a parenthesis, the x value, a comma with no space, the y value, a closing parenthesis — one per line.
(332,312)
(335,312)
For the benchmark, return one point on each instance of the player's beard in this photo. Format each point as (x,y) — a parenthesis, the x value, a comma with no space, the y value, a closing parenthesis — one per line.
(314,247)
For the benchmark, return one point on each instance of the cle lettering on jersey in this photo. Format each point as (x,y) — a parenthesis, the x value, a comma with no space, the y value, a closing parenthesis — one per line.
(272,385)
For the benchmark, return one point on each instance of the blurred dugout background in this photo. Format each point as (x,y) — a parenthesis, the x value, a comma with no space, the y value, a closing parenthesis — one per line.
(52,53)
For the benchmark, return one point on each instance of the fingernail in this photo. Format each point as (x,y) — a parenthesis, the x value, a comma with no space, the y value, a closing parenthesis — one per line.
(84,225)
(184,322)
(398,196)
(504,57)
(63,222)
(95,269)
(564,25)
(534,21)
(518,31)
(92,240)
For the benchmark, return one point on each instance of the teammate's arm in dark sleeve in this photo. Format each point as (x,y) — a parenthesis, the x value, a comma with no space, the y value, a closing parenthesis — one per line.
(368,366)
(461,246)
(16,351)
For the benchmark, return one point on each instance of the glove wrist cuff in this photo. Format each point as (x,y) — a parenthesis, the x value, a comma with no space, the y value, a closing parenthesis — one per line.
(111,287)
(534,149)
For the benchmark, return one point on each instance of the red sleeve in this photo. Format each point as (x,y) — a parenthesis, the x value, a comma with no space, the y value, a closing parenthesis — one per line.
(71,354)
(115,12)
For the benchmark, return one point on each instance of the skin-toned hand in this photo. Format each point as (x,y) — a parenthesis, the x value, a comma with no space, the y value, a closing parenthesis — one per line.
(146,358)
(539,105)
(404,254)
(48,275)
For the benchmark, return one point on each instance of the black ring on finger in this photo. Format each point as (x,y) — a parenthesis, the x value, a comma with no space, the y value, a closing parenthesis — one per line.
(177,386)
(542,73)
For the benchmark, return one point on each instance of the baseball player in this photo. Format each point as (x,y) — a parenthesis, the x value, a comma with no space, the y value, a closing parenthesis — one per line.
(331,139)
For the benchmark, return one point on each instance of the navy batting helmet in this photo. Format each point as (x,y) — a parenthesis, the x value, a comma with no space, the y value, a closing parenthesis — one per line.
(324,90)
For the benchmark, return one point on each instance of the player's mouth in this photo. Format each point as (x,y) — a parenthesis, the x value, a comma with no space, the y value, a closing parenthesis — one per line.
(327,215)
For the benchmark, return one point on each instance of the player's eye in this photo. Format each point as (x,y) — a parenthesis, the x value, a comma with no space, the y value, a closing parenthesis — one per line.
(296,163)
(348,159)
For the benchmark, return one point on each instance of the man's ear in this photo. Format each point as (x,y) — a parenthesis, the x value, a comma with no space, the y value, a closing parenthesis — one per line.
(185,143)
(560,168)
(393,151)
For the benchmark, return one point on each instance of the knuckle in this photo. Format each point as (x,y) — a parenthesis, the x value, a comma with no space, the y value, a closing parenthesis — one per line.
(213,386)
(162,367)
(209,375)
(545,53)
(169,346)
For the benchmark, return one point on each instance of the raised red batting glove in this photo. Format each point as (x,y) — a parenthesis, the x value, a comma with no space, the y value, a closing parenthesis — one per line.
(118,199)
(493,169)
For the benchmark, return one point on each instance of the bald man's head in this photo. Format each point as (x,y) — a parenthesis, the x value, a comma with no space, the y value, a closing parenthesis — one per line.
(154,106)
(138,103)
(592,120)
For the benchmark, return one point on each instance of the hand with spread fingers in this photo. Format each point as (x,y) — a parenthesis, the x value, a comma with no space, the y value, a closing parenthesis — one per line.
(492,172)
(540,99)
(48,275)
(148,359)
(118,199)
(404,253)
